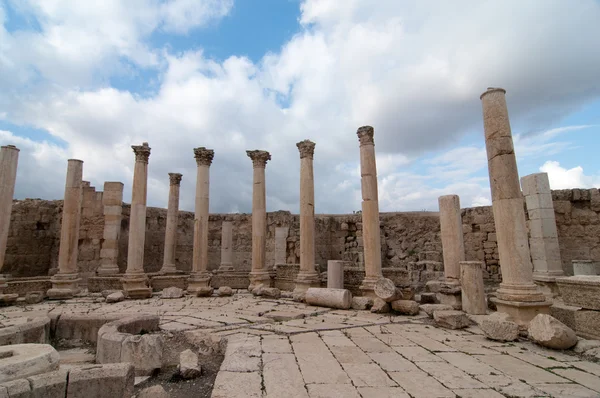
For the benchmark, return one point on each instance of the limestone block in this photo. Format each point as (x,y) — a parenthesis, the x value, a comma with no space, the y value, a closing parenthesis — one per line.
(584,345)
(189,368)
(144,352)
(271,292)
(552,333)
(204,291)
(362,303)
(225,291)
(172,293)
(380,306)
(115,297)
(49,385)
(109,346)
(473,293)
(581,291)
(335,274)
(153,392)
(332,298)
(499,327)
(19,388)
(206,342)
(405,307)
(451,319)
(428,298)
(429,309)
(34,297)
(386,290)
(584,268)
(106,293)
(24,360)
(101,381)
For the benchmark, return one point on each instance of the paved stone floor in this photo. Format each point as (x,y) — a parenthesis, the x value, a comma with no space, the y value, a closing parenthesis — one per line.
(278,348)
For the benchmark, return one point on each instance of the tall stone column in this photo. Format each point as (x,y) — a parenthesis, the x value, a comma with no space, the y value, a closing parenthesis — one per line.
(199,280)
(517,295)
(370,210)
(308,276)
(171,229)
(65,283)
(543,236)
(112,200)
(135,280)
(9,158)
(226,247)
(259,274)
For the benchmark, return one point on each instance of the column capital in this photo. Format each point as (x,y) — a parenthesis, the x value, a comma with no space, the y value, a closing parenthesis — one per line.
(175,178)
(10,147)
(204,157)
(365,135)
(492,90)
(142,152)
(306,148)
(259,158)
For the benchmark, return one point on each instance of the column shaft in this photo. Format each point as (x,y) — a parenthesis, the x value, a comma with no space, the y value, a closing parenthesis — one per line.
(9,158)
(370,210)
(112,200)
(172,221)
(452,236)
(226,246)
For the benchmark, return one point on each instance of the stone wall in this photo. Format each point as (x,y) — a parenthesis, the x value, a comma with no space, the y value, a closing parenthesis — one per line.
(410,241)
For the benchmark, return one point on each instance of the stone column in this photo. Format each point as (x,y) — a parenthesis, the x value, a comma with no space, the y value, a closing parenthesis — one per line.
(171,228)
(370,211)
(199,281)
(473,292)
(281,235)
(135,280)
(9,158)
(226,247)
(308,276)
(65,283)
(335,274)
(518,295)
(112,199)
(259,273)
(543,236)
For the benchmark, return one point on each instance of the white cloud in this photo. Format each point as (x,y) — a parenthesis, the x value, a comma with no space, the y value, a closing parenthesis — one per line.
(562,178)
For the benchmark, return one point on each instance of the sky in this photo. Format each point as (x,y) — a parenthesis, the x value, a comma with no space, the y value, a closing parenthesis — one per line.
(87,80)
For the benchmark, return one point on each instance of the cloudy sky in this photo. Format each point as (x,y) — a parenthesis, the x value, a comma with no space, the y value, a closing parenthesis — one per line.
(86,80)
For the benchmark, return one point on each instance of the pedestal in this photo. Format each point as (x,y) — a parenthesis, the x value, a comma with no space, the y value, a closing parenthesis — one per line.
(522,312)
(198,281)
(259,277)
(135,286)
(5,298)
(304,281)
(64,286)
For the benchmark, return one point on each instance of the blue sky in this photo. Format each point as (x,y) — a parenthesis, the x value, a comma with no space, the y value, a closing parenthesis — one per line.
(88,81)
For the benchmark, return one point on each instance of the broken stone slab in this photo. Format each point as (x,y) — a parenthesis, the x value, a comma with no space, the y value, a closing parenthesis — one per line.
(115,297)
(386,290)
(19,388)
(362,303)
(153,392)
(256,291)
(204,291)
(206,342)
(499,327)
(380,306)
(270,292)
(225,291)
(34,297)
(332,298)
(23,360)
(101,381)
(8,299)
(287,294)
(405,307)
(584,345)
(429,309)
(106,293)
(49,385)
(172,293)
(451,319)
(298,296)
(549,332)
(144,352)
(189,368)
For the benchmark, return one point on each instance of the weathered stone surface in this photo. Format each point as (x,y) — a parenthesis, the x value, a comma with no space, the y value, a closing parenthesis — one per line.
(552,333)
(257,290)
(101,381)
(172,293)
(143,352)
(380,306)
(429,309)
(362,303)
(225,291)
(34,297)
(499,327)
(204,291)
(153,392)
(188,365)
(405,307)
(428,298)
(451,319)
(106,293)
(115,297)
(386,290)
(580,291)
(271,292)
(49,385)
(584,345)
(333,298)
(23,360)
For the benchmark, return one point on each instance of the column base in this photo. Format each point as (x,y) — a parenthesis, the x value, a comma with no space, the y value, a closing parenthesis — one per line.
(8,299)
(169,269)
(64,286)
(306,280)
(259,277)
(108,271)
(526,293)
(450,293)
(546,282)
(199,284)
(367,286)
(135,286)
(522,312)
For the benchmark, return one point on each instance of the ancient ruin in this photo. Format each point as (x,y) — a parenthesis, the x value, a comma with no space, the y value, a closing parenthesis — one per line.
(461,302)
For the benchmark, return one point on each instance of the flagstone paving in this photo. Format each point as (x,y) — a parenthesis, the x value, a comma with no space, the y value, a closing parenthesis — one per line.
(279,348)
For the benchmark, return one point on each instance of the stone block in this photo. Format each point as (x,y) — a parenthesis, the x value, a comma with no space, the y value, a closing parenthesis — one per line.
(49,385)
(24,360)
(580,291)
(19,388)
(362,303)
(144,352)
(429,309)
(189,368)
(380,306)
(172,293)
(101,381)
(552,333)
(451,319)
(499,327)
(406,307)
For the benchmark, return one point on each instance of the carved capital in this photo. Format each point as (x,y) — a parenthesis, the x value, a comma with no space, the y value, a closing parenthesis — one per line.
(365,135)
(306,148)
(259,158)
(175,178)
(142,152)
(204,157)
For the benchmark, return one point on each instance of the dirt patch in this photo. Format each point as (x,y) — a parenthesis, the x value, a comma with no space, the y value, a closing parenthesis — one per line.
(200,387)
